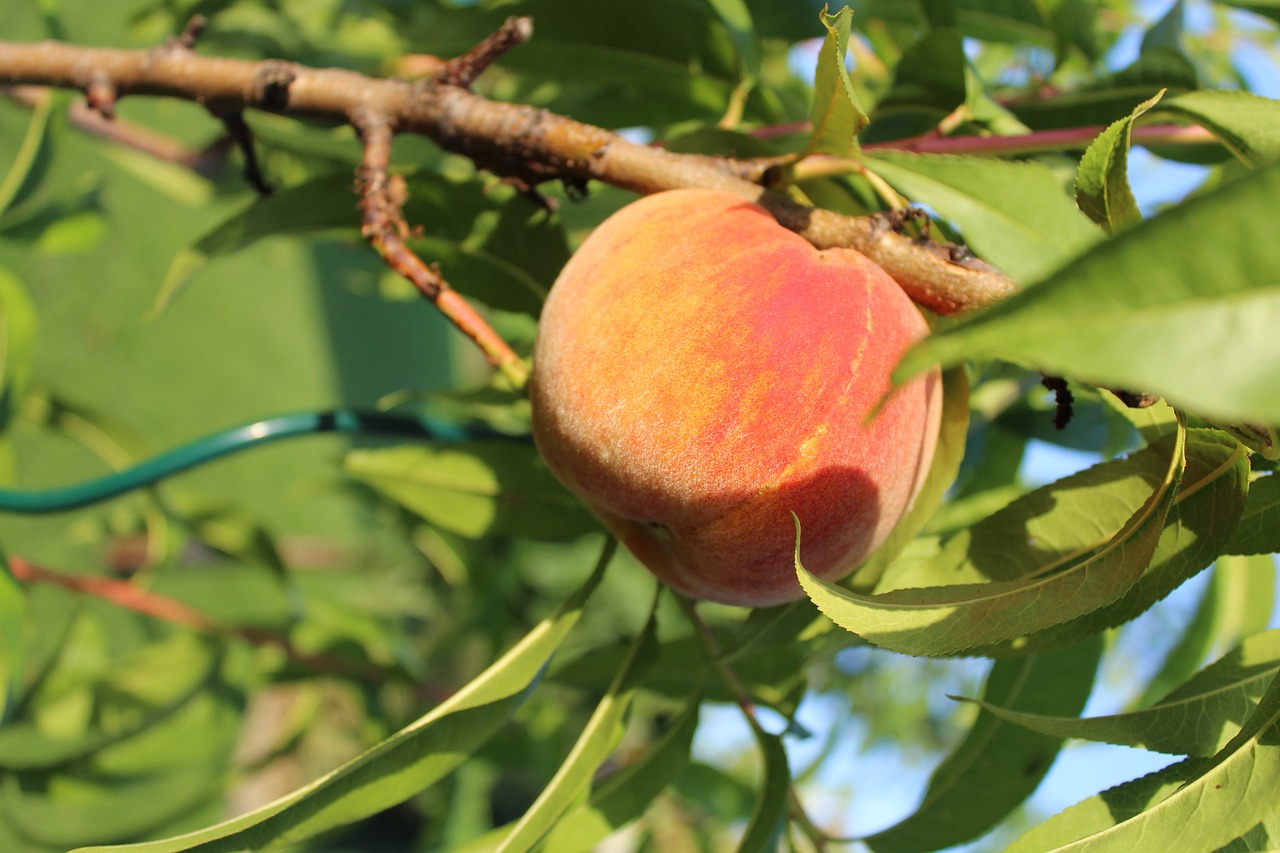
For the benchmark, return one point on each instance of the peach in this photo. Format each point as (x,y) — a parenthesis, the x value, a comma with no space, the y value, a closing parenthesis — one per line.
(701,372)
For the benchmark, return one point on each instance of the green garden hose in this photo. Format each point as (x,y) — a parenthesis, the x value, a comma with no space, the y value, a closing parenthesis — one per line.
(225,442)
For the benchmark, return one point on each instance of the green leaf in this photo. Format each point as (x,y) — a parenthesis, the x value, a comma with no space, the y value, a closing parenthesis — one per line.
(1248,596)
(836,116)
(105,809)
(12,639)
(736,17)
(1166,32)
(1152,422)
(478,489)
(768,817)
(938,13)
(1111,97)
(1196,804)
(498,247)
(1209,500)
(318,207)
(1015,215)
(33,142)
(1266,8)
(17,349)
(639,64)
(1235,605)
(1012,21)
(977,786)
(625,795)
(1075,26)
(1245,122)
(1102,179)
(947,456)
(1024,570)
(1198,718)
(1182,305)
(403,764)
(598,738)
(928,83)
(148,688)
(1259,529)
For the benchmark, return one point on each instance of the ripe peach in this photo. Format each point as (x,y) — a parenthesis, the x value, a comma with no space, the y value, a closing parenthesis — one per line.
(701,372)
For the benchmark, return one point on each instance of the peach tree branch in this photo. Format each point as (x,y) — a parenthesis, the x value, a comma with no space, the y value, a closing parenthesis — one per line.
(511,140)
(382,223)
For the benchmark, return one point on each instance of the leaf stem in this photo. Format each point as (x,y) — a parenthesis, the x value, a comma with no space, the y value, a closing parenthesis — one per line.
(715,656)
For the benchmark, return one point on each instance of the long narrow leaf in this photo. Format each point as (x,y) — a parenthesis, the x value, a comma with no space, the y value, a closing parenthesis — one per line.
(1259,529)
(597,740)
(403,764)
(12,642)
(1196,805)
(626,794)
(1183,305)
(770,812)
(1198,718)
(941,620)
(1210,497)
(979,784)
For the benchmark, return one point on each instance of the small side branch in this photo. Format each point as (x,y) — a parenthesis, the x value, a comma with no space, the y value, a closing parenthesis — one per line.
(130,597)
(464,70)
(191,33)
(716,658)
(238,132)
(382,223)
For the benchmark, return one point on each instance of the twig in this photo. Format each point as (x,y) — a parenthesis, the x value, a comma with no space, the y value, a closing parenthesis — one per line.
(124,132)
(510,140)
(131,597)
(186,40)
(935,142)
(1043,140)
(715,655)
(239,133)
(464,70)
(100,96)
(382,224)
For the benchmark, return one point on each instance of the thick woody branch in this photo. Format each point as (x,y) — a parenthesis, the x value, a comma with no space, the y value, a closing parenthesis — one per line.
(511,140)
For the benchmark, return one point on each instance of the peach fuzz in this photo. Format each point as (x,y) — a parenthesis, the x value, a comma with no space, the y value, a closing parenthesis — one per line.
(701,372)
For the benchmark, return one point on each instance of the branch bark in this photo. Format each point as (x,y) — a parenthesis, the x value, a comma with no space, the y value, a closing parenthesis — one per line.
(511,140)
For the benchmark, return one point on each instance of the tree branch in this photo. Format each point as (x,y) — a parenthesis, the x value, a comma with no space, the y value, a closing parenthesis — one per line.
(383,225)
(131,597)
(511,140)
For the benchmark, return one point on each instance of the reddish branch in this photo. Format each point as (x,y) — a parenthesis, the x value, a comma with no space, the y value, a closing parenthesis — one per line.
(131,597)
(81,114)
(511,140)
(1044,140)
(382,224)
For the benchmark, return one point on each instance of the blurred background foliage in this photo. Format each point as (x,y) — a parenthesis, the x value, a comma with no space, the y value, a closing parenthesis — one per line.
(356,582)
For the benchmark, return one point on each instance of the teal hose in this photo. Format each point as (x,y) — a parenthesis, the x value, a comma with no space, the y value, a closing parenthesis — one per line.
(230,441)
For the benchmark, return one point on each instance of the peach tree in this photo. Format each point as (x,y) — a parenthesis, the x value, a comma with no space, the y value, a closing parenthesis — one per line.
(228,223)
